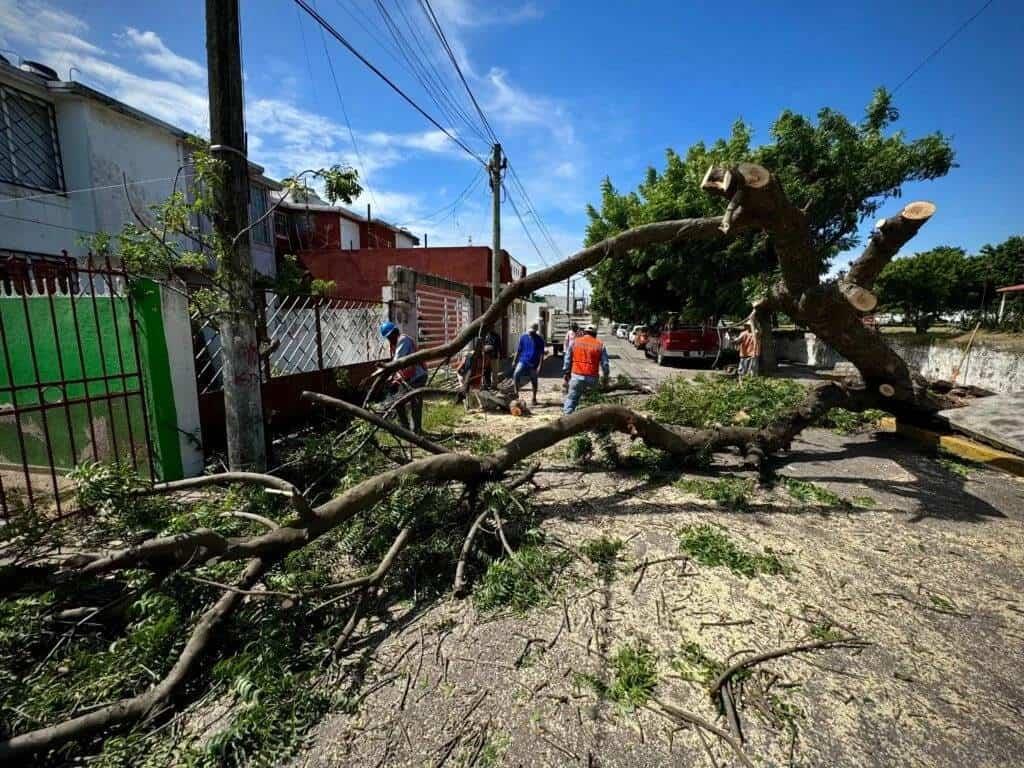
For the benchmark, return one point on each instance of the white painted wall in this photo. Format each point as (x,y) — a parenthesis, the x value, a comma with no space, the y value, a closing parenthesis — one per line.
(178,335)
(987,366)
(99,146)
(403,240)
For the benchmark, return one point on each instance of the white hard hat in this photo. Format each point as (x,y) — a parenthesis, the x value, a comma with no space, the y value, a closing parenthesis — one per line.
(590,328)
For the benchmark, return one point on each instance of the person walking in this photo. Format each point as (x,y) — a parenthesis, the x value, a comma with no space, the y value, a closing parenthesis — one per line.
(585,357)
(493,352)
(410,413)
(750,348)
(529,356)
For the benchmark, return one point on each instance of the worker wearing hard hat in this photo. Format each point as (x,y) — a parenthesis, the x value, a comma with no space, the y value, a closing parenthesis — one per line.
(529,357)
(410,412)
(585,358)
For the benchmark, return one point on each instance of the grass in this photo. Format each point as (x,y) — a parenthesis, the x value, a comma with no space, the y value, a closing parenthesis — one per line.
(634,676)
(521,582)
(709,545)
(731,492)
(706,401)
(441,417)
(863,502)
(603,552)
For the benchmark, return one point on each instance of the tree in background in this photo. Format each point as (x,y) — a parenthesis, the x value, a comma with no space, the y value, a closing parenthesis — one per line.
(838,171)
(926,285)
(994,266)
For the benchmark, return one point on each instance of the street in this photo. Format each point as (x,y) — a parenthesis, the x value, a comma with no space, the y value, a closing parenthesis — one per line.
(629,361)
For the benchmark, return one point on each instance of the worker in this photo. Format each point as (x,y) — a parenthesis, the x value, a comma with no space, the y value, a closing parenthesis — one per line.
(572,333)
(529,357)
(584,358)
(410,412)
(493,353)
(750,348)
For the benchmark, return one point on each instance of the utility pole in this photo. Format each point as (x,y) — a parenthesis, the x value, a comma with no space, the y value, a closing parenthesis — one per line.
(495,167)
(243,404)
(568,306)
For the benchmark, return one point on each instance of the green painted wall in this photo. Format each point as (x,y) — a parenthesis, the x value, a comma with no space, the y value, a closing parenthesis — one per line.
(93,419)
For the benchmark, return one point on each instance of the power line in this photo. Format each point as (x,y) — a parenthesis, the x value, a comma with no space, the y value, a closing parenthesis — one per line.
(946,42)
(48,224)
(464,194)
(522,222)
(436,25)
(341,39)
(532,210)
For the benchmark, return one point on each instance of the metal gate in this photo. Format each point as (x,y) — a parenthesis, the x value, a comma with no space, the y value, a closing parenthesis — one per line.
(71,377)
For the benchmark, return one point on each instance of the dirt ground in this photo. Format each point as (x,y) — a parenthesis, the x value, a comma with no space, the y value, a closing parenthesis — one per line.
(930,576)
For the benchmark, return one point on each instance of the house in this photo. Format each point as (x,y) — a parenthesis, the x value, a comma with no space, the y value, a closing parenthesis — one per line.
(304,222)
(65,152)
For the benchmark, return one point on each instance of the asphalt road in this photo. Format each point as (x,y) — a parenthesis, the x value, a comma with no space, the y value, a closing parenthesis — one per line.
(632,362)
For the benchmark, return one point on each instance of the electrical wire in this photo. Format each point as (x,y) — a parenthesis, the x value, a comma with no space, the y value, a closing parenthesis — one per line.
(946,42)
(522,221)
(83,189)
(435,24)
(466,192)
(408,99)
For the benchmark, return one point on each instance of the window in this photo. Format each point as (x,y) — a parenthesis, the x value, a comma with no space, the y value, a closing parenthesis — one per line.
(28,142)
(258,210)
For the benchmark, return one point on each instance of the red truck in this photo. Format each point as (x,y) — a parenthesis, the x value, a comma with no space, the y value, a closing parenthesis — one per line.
(676,340)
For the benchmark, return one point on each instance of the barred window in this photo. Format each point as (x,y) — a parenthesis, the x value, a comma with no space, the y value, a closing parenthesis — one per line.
(29,155)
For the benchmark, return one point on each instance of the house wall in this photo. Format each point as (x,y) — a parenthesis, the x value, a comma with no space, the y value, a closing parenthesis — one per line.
(350,237)
(403,240)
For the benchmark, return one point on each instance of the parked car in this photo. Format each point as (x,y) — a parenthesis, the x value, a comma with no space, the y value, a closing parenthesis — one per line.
(677,340)
(640,338)
(632,334)
(622,331)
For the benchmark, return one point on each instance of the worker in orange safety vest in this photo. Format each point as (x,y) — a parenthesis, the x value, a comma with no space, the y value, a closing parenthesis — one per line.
(585,358)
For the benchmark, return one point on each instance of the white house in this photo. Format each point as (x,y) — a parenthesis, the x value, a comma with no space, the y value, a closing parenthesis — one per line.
(65,150)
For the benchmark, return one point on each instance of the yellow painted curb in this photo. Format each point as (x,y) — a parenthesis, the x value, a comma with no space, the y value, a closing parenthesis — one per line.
(959,446)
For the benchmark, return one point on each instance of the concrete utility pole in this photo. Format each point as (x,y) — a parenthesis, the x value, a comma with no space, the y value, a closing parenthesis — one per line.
(568,305)
(495,167)
(243,404)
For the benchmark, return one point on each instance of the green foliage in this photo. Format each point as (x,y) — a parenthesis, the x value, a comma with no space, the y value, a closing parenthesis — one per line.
(955,466)
(841,170)
(634,677)
(579,448)
(709,545)
(846,422)
(695,665)
(825,631)
(811,493)
(703,401)
(521,582)
(863,502)
(603,552)
(731,492)
(924,285)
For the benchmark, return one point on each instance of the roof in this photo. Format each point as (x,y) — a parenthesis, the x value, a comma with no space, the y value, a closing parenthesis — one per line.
(74,88)
(314,202)
(1011,288)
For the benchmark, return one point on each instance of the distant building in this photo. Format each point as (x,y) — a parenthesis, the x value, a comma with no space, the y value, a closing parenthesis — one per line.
(65,150)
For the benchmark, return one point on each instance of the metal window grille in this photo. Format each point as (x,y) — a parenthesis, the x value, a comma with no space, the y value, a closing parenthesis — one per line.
(257,210)
(300,333)
(29,152)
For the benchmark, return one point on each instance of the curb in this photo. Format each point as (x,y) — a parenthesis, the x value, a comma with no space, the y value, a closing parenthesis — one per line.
(959,446)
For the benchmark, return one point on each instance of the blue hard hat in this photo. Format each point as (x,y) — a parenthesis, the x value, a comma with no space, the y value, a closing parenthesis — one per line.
(386,328)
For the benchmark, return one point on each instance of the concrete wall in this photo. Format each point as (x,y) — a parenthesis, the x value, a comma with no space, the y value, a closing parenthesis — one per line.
(990,367)
(349,234)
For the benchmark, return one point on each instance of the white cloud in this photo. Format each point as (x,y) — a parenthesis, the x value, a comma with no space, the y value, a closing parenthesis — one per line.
(466,13)
(26,26)
(157,55)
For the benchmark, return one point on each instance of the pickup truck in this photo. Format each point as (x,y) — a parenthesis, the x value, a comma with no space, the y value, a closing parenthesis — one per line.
(675,340)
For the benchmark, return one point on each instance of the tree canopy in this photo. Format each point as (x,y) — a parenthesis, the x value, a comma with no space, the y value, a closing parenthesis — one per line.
(838,170)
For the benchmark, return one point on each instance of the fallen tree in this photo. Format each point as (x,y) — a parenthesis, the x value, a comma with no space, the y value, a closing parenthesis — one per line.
(755,202)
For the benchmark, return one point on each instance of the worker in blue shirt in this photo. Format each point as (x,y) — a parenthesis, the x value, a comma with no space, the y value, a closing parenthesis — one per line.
(412,377)
(585,356)
(529,356)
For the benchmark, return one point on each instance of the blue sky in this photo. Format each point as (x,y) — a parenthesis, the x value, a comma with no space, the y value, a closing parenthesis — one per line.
(575,91)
